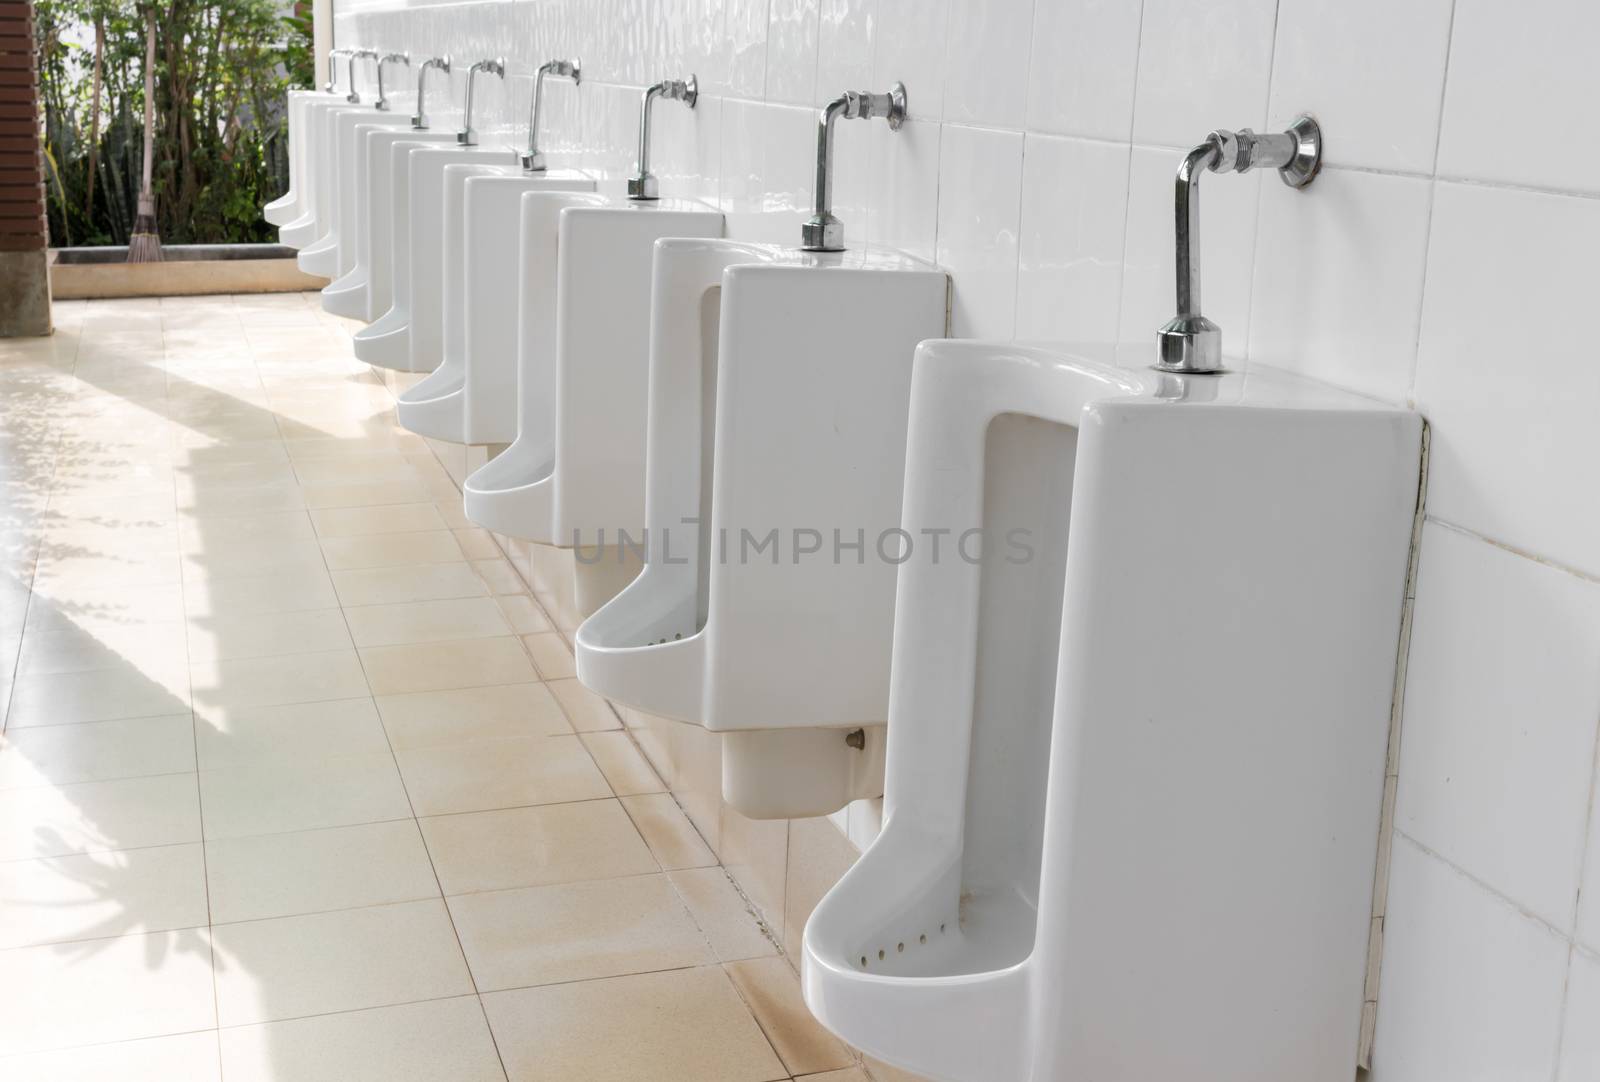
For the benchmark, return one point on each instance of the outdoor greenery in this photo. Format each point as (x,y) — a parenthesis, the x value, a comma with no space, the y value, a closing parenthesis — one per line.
(220,126)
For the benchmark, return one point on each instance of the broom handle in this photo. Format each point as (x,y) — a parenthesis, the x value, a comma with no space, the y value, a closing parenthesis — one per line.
(149,96)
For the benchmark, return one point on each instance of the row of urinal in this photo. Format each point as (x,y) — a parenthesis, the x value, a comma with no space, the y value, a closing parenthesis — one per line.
(1133,631)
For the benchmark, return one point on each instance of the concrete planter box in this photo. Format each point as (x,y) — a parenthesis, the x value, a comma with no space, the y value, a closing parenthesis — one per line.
(86,273)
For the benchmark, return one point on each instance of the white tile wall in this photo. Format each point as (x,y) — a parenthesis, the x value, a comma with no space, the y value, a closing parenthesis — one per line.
(1445,259)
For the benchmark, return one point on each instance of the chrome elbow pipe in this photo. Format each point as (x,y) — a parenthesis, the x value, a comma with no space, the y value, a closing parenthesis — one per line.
(388,58)
(468,136)
(1189,342)
(643,186)
(823,232)
(533,158)
(420,120)
(354,97)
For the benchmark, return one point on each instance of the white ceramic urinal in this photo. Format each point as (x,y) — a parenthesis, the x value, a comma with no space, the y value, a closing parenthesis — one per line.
(508,287)
(386,342)
(286,208)
(1137,737)
(316,200)
(347,294)
(779,383)
(321,257)
(442,320)
(575,475)
(370,283)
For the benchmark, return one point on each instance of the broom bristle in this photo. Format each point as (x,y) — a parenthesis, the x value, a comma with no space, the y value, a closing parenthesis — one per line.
(144,245)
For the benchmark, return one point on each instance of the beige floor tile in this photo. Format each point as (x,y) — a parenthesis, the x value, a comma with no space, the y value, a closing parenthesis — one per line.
(477,544)
(272,798)
(225,637)
(427,621)
(619,760)
(289,733)
(391,550)
(500,577)
(485,775)
(667,831)
(256,556)
(524,614)
(96,816)
(101,895)
(248,594)
(587,711)
(60,996)
(430,719)
(417,582)
(182,1057)
(682,1024)
(818,855)
(310,871)
(849,1074)
(289,967)
(100,695)
(439,666)
(274,527)
(551,655)
(366,494)
(442,1040)
(64,607)
(376,466)
(96,751)
(384,519)
(735,930)
(269,681)
(772,991)
(125,569)
(576,931)
(146,647)
(224,500)
(527,847)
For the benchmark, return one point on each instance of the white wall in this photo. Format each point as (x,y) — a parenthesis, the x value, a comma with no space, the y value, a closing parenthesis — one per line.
(1446,258)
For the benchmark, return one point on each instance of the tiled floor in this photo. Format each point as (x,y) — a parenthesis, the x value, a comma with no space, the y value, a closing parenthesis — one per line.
(295,784)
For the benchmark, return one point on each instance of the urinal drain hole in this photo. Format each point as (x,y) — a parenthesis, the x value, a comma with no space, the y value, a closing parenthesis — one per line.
(899,947)
(676,635)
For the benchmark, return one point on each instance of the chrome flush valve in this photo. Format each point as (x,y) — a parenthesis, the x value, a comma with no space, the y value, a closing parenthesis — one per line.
(468,135)
(643,186)
(420,121)
(354,97)
(533,158)
(388,58)
(333,69)
(823,232)
(1189,342)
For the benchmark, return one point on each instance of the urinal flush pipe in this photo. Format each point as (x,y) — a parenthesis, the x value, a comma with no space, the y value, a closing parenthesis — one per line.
(1189,342)
(468,136)
(420,121)
(823,232)
(533,158)
(333,69)
(388,58)
(643,185)
(354,97)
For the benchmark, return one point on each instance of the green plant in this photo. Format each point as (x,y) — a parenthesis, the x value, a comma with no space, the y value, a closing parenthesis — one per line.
(220,75)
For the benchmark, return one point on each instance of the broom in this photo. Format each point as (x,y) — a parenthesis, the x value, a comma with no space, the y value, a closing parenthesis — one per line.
(144,246)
